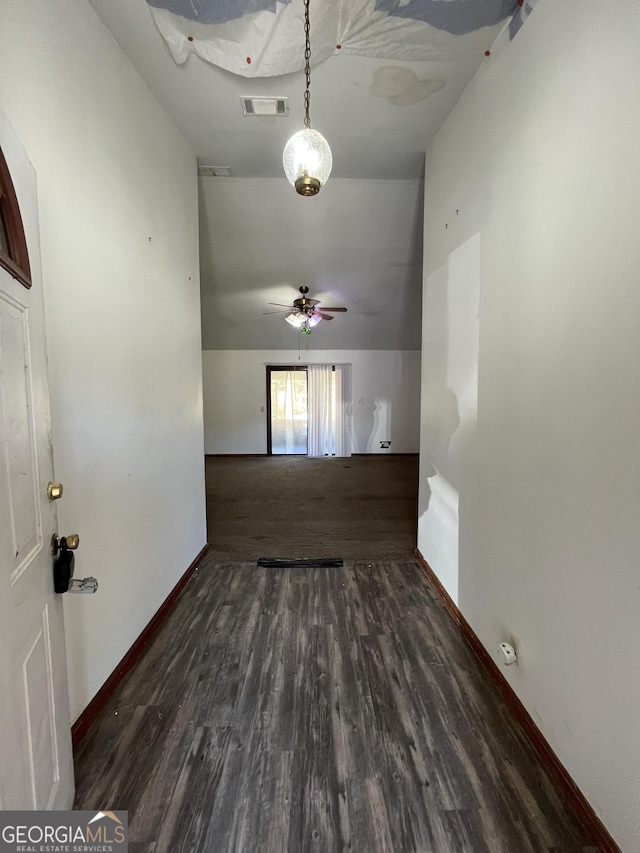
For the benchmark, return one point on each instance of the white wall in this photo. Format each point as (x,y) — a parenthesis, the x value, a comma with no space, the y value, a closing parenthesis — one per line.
(119,230)
(385,391)
(449,404)
(540,158)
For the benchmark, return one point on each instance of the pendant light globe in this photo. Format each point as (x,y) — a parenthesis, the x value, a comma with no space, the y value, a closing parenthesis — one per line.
(307,161)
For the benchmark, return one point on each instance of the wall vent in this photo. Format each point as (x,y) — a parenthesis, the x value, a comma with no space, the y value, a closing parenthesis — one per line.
(215,172)
(257,105)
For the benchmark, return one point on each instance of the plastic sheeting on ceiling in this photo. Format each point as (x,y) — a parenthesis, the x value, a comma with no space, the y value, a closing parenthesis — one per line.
(264,38)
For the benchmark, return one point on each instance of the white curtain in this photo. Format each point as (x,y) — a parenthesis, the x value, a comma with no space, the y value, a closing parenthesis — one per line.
(342,430)
(329,425)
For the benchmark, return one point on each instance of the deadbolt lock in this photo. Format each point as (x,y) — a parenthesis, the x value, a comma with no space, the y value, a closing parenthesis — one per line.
(66,543)
(54,491)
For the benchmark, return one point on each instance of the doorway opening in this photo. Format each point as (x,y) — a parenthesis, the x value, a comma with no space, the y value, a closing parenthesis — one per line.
(287,411)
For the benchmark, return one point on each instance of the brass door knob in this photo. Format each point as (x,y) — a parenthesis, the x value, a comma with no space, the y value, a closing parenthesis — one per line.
(69,542)
(54,491)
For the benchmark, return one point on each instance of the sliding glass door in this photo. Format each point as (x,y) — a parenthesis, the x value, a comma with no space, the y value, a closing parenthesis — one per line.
(287,410)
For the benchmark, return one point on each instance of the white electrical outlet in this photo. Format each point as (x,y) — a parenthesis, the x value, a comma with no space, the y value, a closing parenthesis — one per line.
(517,646)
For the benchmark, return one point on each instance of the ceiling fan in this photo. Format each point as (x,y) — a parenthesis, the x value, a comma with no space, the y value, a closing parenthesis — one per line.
(304,313)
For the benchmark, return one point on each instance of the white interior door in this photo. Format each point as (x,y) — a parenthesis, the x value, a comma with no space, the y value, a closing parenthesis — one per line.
(36,768)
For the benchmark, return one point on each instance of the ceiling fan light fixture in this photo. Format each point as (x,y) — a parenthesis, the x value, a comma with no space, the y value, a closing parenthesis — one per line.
(304,313)
(307,159)
(296,319)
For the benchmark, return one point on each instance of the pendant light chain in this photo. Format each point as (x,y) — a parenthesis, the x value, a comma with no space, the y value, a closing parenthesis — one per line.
(307,60)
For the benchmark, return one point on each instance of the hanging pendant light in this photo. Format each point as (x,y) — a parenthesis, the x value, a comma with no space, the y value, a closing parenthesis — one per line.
(307,157)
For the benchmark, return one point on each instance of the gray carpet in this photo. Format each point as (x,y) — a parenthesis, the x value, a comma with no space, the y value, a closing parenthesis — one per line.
(360,508)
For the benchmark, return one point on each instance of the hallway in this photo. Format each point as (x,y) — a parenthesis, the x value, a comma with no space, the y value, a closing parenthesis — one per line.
(317,710)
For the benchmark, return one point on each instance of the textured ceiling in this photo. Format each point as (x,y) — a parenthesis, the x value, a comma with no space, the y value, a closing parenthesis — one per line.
(357,243)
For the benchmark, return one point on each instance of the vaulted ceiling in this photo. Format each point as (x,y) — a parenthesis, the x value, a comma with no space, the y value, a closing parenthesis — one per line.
(358,243)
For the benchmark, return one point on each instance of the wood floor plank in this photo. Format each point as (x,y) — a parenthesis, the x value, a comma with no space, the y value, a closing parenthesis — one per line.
(186,821)
(356,707)
(160,787)
(464,832)
(265,825)
(315,819)
(302,710)
(222,809)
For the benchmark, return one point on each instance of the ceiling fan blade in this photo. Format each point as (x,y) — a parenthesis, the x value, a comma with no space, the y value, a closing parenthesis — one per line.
(333,309)
(285,311)
(324,316)
(280,304)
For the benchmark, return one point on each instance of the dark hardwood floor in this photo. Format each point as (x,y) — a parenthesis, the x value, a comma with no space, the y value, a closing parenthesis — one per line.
(317,710)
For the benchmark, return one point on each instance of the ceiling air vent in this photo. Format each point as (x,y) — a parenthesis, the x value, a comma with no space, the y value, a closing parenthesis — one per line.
(261,106)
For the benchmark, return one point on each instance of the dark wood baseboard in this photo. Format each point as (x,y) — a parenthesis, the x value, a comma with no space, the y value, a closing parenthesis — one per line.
(99,701)
(554,767)
(232,455)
